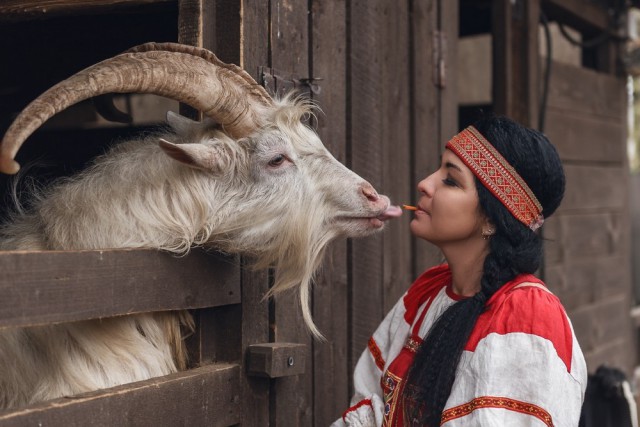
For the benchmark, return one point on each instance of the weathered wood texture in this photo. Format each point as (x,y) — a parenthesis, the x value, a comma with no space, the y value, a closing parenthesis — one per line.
(397,110)
(586,253)
(369,58)
(253,52)
(276,360)
(515,60)
(389,103)
(191,398)
(579,14)
(586,260)
(434,109)
(292,399)
(22,10)
(364,136)
(52,287)
(397,182)
(328,48)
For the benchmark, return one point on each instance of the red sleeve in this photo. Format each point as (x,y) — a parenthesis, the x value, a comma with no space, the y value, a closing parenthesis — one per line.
(529,310)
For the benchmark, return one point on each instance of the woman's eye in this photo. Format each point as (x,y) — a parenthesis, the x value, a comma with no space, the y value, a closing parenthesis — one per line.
(277,160)
(450,182)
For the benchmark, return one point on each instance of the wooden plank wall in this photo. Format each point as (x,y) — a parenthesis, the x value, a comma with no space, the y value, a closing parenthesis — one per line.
(368,56)
(331,293)
(386,74)
(587,249)
(587,255)
(387,109)
(289,52)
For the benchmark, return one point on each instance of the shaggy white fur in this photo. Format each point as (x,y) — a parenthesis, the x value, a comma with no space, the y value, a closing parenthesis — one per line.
(277,195)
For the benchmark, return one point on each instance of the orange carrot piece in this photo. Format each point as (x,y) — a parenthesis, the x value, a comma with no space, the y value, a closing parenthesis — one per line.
(409,207)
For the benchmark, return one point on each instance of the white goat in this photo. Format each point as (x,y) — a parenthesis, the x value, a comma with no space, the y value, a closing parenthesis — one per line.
(258,182)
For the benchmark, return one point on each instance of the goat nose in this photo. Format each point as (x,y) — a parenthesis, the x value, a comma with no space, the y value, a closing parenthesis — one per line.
(370,193)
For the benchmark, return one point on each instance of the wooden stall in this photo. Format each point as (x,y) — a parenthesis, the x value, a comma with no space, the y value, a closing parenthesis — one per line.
(587,260)
(385,74)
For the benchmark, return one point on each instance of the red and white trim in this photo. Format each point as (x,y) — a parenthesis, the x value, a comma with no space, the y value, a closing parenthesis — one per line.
(376,353)
(354,408)
(497,402)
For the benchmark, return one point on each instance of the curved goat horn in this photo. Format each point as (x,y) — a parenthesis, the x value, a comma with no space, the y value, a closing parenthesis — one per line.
(193,76)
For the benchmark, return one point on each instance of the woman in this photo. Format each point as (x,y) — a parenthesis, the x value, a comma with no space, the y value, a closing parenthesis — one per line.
(478,341)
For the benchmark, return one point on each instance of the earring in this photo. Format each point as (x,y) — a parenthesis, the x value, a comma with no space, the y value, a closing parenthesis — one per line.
(486,235)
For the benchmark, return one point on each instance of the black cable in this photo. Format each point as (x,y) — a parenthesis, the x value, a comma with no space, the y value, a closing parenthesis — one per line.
(606,34)
(588,44)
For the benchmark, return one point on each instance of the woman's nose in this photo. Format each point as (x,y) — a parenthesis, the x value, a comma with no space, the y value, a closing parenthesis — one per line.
(426,186)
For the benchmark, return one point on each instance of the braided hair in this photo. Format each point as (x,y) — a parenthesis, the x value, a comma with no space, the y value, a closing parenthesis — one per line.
(513,249)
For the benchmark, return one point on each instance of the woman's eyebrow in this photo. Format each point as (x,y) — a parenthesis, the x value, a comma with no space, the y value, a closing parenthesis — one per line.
(449,165)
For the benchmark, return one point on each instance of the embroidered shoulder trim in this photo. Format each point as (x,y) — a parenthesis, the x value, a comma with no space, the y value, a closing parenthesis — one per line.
(376,353)
(497,402)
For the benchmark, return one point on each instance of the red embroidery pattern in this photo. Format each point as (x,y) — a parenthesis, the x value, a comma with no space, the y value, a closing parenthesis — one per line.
(391,392)
(497,402)
(497,175)
(376,353)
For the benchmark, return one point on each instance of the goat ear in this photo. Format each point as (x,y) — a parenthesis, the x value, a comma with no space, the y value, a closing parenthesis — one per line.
(194,155)
(180,124)
(184,126)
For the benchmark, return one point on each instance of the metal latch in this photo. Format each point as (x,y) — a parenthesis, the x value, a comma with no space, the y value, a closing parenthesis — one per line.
(279,83)
(439,59)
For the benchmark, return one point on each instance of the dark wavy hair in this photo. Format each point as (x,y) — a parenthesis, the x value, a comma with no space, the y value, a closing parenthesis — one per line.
(513,249)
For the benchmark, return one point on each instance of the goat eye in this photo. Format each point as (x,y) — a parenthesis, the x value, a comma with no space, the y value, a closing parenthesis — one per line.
(277,160)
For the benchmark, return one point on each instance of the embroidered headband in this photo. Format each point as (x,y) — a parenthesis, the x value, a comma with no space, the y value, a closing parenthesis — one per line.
(498,176)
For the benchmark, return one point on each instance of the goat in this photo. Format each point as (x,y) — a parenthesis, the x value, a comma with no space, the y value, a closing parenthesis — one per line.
(255,181)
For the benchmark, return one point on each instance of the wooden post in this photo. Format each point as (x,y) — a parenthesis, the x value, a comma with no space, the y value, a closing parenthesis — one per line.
(364,136)
(227,333)
(253,20)
(515,59)
(291,401)
(331,372)
(449,16)
(397,180)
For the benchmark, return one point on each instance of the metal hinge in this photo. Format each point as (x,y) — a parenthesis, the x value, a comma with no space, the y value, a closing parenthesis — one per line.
(439,59)
(279,83)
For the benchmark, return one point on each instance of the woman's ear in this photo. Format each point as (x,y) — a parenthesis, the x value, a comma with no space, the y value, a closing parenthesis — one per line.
(488,228)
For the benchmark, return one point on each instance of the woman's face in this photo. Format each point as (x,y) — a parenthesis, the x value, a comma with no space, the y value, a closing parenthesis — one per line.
(449,210)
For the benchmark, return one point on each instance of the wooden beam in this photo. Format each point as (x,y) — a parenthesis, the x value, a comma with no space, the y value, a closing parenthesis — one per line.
(579,14)
(515,59)
(330,369)
(191,22)
(187,398)
(364,136)
(22,10)
(253,53)
(291,399)
(50,287)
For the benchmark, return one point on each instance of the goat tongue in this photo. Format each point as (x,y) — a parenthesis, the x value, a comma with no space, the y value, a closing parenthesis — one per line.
(391,212)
